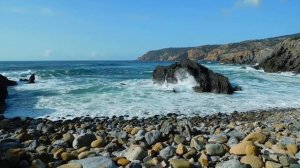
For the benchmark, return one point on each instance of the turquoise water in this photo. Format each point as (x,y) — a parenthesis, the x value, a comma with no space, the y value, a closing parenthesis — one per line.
(107,88)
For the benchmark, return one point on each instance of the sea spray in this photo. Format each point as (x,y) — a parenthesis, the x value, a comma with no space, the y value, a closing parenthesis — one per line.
(185,82)
(97,90)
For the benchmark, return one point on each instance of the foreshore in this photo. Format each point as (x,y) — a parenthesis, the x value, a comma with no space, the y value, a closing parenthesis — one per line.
(261,138)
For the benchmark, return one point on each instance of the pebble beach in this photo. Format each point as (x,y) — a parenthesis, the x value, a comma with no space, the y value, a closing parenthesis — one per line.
(257,139)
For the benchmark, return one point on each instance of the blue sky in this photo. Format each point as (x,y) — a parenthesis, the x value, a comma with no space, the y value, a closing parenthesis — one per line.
(125,29)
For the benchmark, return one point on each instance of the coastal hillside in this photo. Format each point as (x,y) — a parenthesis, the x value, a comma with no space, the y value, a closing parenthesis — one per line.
(245,52)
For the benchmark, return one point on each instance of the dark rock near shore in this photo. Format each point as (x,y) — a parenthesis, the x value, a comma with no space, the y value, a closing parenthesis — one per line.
(30,80)
(207,80)
(4,83)
(285,58)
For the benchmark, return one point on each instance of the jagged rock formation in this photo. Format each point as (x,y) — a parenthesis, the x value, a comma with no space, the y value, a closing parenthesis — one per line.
(285,57)
(4,83)
(246,52)
(207,80)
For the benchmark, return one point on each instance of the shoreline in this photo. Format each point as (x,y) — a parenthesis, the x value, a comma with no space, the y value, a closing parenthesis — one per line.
(263,138)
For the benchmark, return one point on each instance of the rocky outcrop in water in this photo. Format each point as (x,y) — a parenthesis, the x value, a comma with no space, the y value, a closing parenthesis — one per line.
(4,83)
(246,52)
(207,80)
(285,58)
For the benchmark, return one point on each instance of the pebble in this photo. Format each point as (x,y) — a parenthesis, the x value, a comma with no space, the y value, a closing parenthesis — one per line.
(71,165)
(167,152)
(152,137)
(83,140)
(260,139)
(181,149)
(254,161)
(240,149)
(178,139)
(180,163)
(68,137)
(85,154)
(38,164)
(215,149)
(123,162)
(256,137)
(96,162)
(203,160)
(135,153)
(270,164)
(97,143)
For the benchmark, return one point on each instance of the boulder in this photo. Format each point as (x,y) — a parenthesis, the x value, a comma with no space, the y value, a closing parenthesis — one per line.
(207,80)
(284,58)
(83,140)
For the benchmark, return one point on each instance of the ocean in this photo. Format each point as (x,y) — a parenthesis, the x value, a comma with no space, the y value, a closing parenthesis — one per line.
(106,88)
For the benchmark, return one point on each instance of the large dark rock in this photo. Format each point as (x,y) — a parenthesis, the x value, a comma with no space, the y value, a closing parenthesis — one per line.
(4,83)
(285,58)
(207,80)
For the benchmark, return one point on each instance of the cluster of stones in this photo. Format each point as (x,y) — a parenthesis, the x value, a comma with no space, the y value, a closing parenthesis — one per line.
(239,140)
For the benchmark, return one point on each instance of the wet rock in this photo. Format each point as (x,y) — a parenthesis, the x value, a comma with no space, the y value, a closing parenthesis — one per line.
(207,80)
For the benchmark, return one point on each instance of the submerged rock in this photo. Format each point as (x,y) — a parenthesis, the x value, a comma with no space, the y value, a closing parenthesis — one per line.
(206,80)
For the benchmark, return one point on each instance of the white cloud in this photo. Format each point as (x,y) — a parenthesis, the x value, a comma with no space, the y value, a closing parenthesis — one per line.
(249,2)
(47,53)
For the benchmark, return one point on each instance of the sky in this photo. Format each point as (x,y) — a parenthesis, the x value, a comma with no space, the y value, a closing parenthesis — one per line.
(126,29)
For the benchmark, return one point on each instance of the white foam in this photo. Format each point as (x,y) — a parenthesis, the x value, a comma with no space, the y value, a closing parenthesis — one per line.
(60,97)
(185,82)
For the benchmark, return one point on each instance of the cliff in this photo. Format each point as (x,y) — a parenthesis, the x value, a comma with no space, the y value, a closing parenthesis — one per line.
(246,52)
(284,58)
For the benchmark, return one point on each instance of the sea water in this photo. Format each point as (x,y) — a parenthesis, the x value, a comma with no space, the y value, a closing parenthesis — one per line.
(107,88)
